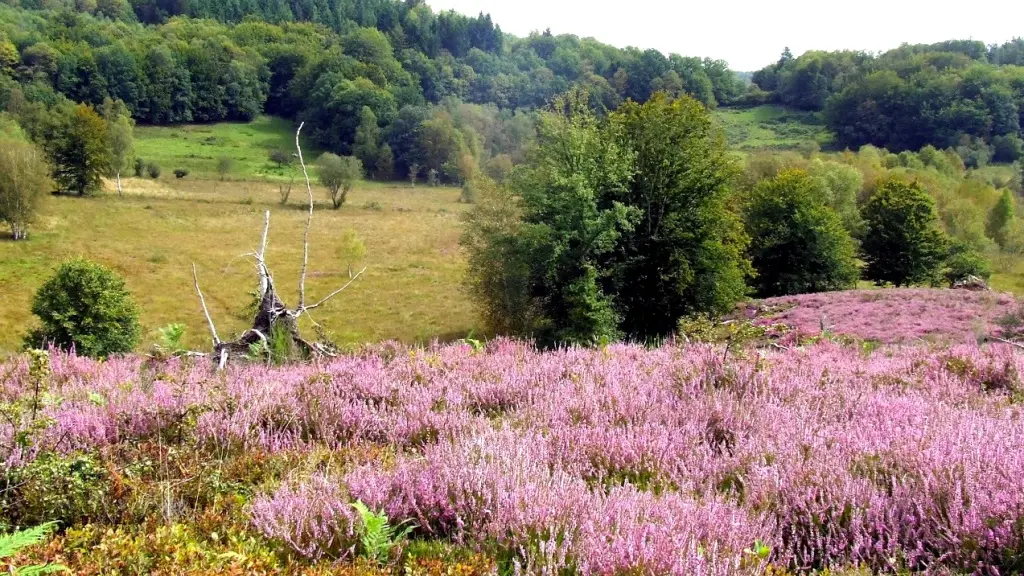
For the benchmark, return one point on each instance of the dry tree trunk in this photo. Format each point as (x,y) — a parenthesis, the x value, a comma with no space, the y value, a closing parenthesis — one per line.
(272,314)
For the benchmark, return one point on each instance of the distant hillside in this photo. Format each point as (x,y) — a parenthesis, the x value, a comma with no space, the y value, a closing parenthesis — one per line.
(960,94)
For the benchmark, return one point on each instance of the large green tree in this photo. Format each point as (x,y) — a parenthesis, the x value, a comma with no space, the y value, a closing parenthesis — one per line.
(797,243)
(366,146)
(614,227)
(79,146)
(903,245)
(685,254)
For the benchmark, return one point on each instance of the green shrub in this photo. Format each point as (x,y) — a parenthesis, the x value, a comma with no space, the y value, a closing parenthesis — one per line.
(180,173)
(153,169)
(963,262)
(903,245)
(85,306)
(140,167)
(64,489)
(798,243)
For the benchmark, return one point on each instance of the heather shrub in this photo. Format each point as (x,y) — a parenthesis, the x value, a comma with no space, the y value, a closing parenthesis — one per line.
(313,518)
(153,169)
(85,306)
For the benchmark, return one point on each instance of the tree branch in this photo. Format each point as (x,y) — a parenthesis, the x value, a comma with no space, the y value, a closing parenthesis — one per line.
(1010,342)
(206,311)
(309,219)
(332,294)
(261,262)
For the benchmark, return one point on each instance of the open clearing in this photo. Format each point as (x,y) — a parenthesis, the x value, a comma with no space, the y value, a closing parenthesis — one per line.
(198,147)
(411,290)
(771,127)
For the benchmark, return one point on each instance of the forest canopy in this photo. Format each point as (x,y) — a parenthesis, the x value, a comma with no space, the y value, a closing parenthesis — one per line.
(961,94)
(320,61)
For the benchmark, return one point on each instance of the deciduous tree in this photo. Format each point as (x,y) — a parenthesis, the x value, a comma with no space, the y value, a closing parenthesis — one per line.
(339,174)
(80,149)
(120,136)
(797,243)
(902,245)
(24,179)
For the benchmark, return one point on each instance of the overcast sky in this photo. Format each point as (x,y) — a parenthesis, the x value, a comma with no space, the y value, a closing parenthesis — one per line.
(749,33)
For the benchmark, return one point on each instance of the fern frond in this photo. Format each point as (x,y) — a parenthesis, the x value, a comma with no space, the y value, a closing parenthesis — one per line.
(10,544)
(38,570)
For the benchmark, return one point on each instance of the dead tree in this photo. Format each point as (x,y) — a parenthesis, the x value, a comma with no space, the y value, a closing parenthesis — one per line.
(272,315)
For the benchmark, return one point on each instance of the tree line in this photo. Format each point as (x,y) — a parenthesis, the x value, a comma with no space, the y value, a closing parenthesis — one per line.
(960,94)
(320,61)
(621,226)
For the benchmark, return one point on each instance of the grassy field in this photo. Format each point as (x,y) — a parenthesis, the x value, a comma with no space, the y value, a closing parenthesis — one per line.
(771,128)
(411,290)
(198,148)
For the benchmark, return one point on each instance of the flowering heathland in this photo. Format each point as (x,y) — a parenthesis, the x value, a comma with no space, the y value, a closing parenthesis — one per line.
(890,316)
(675,460)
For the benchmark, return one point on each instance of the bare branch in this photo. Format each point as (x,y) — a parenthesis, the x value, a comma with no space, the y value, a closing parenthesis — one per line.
(206,311)
(1010,342)
(309,219)
(332,294)
(261,262)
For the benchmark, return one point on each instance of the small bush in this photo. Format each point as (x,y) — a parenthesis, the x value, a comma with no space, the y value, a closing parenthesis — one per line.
(279,157)
(153,170)
(85,306)
(180,173)
(65,489)
(140,167)
(224,166)
(432,178)
(963,263)
(468,194)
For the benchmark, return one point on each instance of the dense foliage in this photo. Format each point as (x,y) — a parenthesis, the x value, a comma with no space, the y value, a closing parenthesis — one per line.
(614,227)
(903,245)
(339,65)
(669,460)
(24,179)
(797,242)
(85,307)
(956,93)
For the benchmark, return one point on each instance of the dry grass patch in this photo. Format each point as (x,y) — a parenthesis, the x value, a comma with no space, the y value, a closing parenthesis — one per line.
(411,290)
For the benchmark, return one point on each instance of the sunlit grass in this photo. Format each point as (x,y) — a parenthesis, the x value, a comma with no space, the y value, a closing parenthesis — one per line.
(199,147)
(771,128)
(411,291)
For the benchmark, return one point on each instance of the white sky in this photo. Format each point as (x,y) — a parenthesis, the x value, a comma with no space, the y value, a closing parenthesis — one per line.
(750,34)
